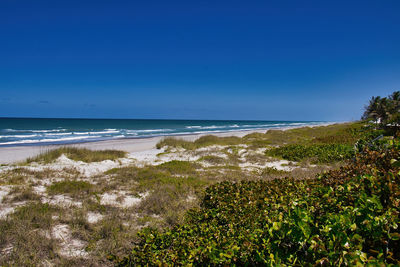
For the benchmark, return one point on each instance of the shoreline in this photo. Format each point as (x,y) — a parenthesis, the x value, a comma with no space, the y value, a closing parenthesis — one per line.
(15,154)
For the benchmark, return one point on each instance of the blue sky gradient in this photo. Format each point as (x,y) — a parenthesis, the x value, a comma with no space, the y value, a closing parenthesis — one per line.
(261,60)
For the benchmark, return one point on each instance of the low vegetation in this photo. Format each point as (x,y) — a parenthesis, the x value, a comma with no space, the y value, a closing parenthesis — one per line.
(271,171)
(70,187)
(77,154)
(215,160)
(346,133)
(200,142)
(317,153)
(22,239)
(24,193)
(178,167)
(344,217)
(160,179)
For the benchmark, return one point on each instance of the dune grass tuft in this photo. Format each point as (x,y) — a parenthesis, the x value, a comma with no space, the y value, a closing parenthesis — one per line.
(78,154)
(212,159)
(70,187)
(203,141)
(178,167)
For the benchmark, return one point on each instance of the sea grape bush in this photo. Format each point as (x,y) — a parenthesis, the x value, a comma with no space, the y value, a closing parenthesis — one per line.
(317,153)
(343,217)
(332,147)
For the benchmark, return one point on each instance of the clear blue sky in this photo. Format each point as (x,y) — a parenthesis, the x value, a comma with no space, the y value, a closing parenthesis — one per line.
(270,60)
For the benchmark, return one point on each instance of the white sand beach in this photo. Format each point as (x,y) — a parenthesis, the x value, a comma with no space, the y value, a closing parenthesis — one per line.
(15,154)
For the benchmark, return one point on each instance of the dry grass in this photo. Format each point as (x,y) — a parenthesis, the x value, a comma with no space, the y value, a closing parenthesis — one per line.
(21,176)
(179,167)
(21,193)
(214,160)
(257,158)
(71,187)
(200,142)
(23,239)
(77,154)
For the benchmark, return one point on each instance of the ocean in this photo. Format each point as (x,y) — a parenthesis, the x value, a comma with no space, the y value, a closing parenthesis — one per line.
(36,131)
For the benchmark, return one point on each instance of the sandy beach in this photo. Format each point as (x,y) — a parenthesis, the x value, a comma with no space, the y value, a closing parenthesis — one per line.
(13,154)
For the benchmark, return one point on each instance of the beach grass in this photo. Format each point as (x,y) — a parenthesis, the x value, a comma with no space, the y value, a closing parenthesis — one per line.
(345,133)
(179,167)
(77,154)
(22,233)
(212,159)
(70,187)
(22,193)
(203,141)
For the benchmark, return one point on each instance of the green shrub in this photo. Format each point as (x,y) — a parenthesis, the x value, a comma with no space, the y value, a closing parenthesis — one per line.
(317,153)
(344,217)
(273,171)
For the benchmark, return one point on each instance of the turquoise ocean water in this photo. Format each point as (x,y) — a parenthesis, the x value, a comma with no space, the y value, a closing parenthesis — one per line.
(29,131)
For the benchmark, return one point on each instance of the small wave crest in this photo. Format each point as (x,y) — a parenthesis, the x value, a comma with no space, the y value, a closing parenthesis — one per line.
(49,140)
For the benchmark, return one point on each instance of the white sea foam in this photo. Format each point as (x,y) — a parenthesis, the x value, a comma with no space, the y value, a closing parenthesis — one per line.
(49,140)
(206,127)
(18,136)
(119,136)
(61,135)
(33,131)
(105,132)
(148,131)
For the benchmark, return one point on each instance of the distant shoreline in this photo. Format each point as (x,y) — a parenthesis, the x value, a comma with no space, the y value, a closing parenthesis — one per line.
(17,153)
(43,132)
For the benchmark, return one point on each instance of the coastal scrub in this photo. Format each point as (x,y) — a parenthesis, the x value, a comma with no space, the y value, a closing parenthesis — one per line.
(344,217)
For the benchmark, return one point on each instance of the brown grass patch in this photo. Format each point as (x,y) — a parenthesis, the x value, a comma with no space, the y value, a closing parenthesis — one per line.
(78,154)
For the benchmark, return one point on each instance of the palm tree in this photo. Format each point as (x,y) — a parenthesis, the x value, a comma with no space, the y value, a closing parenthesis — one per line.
(394,108)
(372,111)
(384,110)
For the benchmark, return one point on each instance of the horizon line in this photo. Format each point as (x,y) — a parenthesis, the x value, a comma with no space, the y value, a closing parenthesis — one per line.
(173,119)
